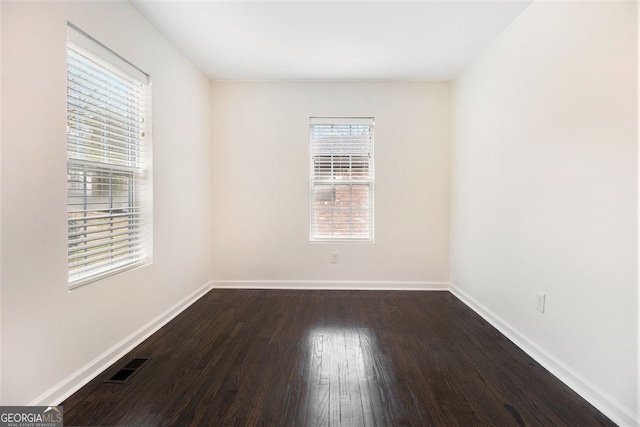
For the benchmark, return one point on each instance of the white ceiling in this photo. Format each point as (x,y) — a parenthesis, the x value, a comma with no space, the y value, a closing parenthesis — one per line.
(331,40)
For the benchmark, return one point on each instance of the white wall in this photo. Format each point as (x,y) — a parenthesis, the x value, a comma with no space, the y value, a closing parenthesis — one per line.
(544,193)
(261,183)
(0,205)
(49,333)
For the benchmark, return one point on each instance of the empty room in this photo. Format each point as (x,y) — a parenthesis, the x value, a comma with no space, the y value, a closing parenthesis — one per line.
(319,213)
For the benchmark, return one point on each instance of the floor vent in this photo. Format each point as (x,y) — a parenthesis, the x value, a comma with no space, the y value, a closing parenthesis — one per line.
(123,375)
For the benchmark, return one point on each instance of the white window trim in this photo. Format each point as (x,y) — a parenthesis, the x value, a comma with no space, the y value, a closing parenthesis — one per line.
(111,61)
(347,120)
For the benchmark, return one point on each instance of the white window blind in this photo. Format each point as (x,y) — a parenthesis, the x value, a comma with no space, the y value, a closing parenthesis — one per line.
(342,179)
(106,162)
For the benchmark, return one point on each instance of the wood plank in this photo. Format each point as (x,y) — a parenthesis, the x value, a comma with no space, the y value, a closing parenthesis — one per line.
(330,358)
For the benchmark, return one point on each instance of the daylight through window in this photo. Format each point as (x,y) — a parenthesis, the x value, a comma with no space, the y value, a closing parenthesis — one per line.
(342,179)
(106,162)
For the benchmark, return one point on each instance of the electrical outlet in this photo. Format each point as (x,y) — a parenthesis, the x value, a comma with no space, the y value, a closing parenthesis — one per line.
(540,299)
(334,257)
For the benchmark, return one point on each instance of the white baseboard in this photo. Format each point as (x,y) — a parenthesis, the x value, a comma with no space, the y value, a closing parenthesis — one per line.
(332,285)
(71,384)
(598,398)
(606,404)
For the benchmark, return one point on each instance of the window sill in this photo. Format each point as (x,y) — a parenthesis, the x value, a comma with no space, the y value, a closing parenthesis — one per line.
(83,281)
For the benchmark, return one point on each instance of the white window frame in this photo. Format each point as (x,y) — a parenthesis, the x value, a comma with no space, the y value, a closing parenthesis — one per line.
(109,197)
(354,153)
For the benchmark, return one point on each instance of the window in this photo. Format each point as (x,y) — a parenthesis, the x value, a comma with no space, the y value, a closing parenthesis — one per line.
(107,163)
(342,179)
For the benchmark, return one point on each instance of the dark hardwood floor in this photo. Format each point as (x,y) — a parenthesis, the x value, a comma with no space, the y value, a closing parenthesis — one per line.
(350,358)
